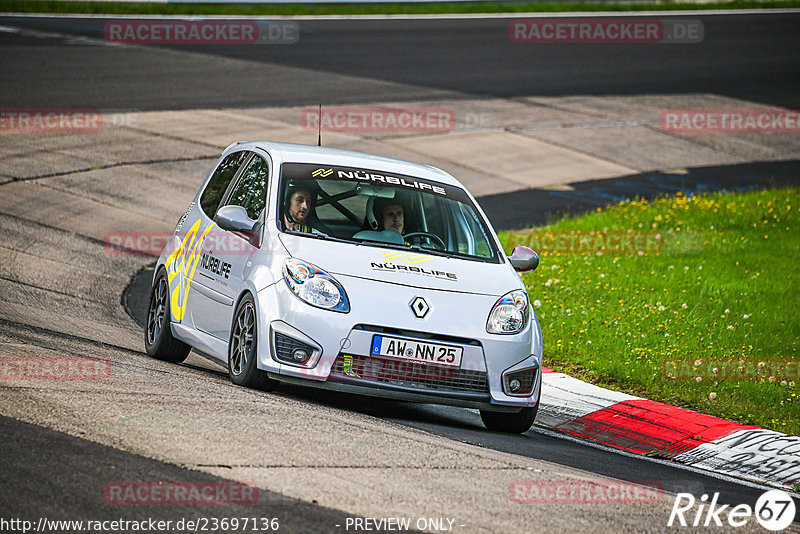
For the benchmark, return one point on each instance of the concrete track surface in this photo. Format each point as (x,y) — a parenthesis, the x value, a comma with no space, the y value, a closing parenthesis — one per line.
(317,458)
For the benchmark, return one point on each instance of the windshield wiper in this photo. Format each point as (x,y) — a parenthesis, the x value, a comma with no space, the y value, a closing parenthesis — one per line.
(446,253)
(431,251)
(404,246)
(318,235)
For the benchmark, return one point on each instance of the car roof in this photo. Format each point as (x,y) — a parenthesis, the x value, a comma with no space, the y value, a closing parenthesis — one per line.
(295,153)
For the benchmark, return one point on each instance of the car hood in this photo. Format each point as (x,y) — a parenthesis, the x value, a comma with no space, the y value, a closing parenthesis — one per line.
(401,267)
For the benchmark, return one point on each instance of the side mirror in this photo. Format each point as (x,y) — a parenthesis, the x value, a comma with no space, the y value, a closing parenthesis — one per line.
(235,219)
(524,259)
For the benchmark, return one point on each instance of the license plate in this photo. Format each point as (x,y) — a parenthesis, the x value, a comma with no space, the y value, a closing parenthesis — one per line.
(418,351)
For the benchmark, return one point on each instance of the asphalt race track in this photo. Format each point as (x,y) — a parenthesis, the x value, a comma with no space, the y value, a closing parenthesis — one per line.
(345,61)
(317,458)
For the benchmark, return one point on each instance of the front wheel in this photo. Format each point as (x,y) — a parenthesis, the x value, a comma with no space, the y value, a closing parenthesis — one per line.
(512,423)
(243,349)
(158,340)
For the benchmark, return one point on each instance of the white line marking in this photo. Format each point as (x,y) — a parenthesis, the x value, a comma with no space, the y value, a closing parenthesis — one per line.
(36,34)
(32,33)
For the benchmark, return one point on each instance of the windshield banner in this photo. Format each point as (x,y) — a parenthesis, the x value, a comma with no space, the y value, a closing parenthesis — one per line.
(322,173)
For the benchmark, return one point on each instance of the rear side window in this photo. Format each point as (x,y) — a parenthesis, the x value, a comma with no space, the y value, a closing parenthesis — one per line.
(219,182)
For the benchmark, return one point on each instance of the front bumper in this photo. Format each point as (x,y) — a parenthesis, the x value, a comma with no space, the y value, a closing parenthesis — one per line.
(398,393)
(339,346)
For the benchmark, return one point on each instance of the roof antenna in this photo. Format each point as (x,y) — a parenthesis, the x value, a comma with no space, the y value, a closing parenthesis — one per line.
(319,127)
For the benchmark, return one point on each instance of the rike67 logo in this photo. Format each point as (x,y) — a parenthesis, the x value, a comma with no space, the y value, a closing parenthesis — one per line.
(774,510)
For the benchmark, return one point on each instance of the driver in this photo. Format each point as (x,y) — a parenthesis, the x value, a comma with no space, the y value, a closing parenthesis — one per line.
(298,206)
(390,215)
(393,218)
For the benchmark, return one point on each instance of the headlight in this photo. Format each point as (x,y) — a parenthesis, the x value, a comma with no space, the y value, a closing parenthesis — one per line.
(510,314)
(315,286)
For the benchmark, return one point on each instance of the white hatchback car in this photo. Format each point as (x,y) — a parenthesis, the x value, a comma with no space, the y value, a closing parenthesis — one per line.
(351,272)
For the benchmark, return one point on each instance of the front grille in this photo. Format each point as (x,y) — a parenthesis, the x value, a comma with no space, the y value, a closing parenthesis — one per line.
(417,375)
(285,346)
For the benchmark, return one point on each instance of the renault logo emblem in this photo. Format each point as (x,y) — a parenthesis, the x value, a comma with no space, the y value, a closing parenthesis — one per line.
(419,307)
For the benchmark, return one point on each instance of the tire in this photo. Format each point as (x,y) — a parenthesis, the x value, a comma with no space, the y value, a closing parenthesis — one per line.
(158,340)
(243,349)
(512,423)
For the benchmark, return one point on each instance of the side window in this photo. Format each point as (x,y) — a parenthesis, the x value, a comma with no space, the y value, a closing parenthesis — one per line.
(251,189)
(471,237)
(219,182)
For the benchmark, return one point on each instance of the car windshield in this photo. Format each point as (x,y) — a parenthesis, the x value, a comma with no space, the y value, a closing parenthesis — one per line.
(386,209)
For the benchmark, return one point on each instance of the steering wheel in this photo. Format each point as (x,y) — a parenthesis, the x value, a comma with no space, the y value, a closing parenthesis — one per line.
(431,238)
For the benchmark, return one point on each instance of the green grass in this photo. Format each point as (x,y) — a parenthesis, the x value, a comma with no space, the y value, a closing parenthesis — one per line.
(143,8)
(725,284)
